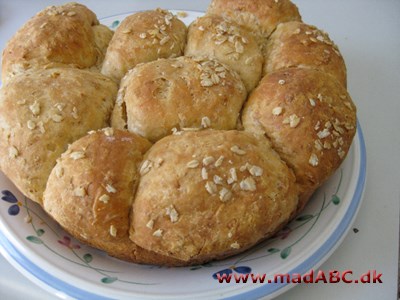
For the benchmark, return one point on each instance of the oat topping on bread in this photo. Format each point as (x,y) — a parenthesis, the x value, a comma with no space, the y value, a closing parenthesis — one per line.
(172,145)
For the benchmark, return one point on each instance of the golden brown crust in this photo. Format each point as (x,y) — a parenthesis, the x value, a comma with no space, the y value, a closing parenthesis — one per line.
(212,194)
(204,192)
(295,44)
(216,37)
(42,112)
(178,93)
(62,34)
(144,37)
(310,119)
(102,37)
(90,192)
(258,16)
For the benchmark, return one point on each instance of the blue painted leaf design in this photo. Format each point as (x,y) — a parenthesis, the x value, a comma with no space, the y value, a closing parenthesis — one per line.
(225,271)
(335,199)
(109,279)
(304,218)
(13,210)
(243,269)
(115,24)
(8,196)
(88,257)
(34,239)
(273,250)
(285,252)
(207,265)
(7,193)
(40,232)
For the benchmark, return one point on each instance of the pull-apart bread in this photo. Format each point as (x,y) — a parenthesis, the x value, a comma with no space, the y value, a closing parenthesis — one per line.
(164,145)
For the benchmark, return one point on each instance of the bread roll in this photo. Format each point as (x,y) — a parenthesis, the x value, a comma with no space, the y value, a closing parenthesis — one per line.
(42,111)
(93,184)
(144,37)
(310,119)
(211,195)
(258,16)
(102,37)
(216,37)
(59,34)
(295,44)
(179,93)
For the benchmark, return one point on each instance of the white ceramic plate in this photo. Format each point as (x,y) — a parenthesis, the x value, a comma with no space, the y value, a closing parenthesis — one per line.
(40,249)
